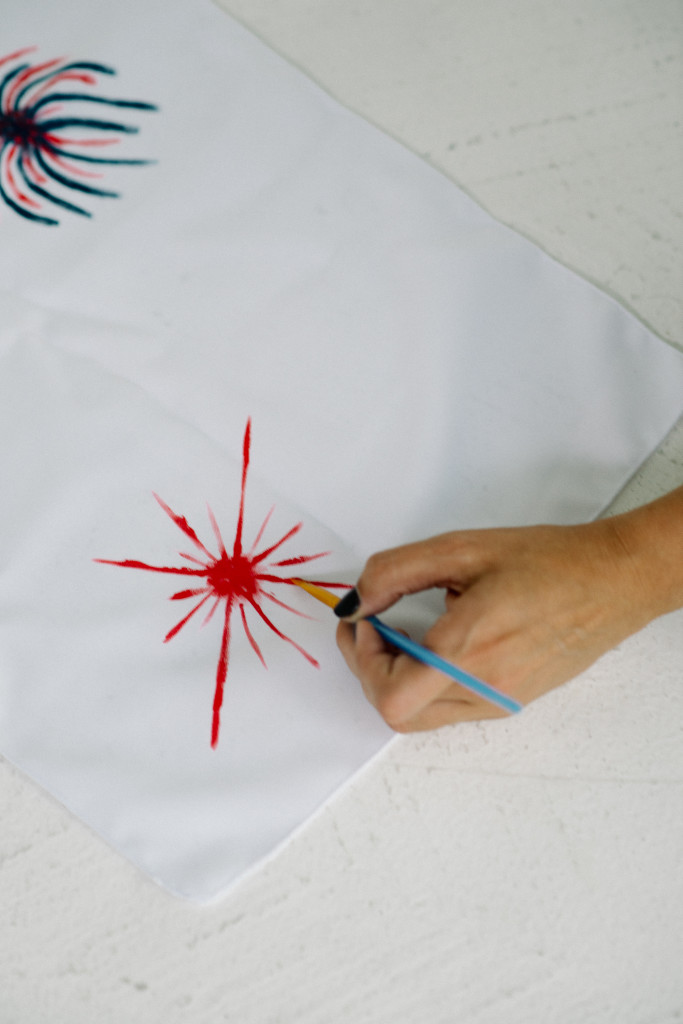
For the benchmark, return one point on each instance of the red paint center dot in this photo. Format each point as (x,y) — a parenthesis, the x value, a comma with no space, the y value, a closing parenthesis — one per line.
(233,576)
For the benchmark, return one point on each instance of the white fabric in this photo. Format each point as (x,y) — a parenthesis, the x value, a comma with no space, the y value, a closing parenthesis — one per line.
(410,366)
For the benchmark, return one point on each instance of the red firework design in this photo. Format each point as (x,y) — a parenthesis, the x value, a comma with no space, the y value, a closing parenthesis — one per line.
(239,578)
(36,109)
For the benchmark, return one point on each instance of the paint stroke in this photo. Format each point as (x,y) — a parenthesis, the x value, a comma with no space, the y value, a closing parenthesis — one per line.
(239,579)
(47,134)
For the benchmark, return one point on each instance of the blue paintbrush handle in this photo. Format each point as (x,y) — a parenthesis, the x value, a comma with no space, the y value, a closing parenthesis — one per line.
(423,654)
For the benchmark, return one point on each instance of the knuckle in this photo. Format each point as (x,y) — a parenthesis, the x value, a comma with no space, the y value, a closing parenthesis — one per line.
(400,727)
(375,569)
(392,706)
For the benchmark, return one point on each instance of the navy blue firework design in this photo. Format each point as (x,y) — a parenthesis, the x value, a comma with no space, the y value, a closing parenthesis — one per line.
(45,146)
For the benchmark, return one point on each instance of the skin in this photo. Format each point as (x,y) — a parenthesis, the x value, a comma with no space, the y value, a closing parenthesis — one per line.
(526,609)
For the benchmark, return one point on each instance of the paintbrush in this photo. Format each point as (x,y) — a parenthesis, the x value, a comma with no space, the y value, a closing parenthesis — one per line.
(420,653)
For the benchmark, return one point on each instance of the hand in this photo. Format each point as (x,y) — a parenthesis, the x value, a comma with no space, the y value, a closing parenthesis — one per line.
(526,609)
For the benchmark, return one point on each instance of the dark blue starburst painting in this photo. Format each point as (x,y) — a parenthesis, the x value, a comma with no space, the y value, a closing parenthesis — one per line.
(48,130)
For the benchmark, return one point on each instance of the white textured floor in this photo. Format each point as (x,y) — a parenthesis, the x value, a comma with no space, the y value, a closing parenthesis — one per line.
(529,873)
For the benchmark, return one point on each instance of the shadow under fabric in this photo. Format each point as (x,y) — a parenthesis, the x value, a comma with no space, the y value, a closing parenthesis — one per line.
(410,366)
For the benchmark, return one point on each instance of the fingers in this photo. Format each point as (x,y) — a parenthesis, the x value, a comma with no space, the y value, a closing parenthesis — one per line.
(409,695)
(527,609)
(450,560)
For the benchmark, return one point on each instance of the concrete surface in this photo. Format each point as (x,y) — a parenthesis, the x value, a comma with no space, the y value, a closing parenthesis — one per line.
(485,874)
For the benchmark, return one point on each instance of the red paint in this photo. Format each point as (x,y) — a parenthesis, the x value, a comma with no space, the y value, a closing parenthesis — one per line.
(10,178)
(233,577)
(62,76)
(17,54)
(67,165)
(37,175)
(25,76)
(81,142)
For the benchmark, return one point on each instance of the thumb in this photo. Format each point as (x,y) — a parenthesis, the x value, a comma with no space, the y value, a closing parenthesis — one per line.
(449,560)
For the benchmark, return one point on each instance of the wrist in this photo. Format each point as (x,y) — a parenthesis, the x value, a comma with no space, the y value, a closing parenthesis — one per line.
(651,539)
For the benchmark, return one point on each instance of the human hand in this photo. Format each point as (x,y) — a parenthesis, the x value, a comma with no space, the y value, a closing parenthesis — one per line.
(526,609)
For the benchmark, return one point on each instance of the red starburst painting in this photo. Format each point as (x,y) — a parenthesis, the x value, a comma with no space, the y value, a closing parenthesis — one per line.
(239,578)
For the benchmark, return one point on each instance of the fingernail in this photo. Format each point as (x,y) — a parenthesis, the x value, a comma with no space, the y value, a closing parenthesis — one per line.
(349,604)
